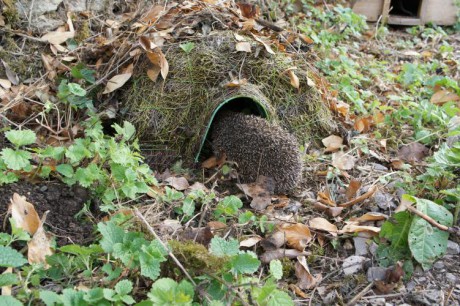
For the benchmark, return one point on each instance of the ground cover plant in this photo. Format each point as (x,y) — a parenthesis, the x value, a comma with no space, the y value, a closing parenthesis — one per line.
(375,219)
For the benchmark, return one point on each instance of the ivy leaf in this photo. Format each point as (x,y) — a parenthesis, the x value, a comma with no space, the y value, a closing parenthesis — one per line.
(245,263)
(10,257)
(16,159)
(76,89)
(81,72)
(21,138)
(220,247)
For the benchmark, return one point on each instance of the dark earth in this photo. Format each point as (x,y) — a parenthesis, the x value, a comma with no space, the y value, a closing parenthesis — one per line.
(63,203)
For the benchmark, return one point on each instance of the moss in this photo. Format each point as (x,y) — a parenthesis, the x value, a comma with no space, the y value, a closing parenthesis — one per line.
(83,32)
(10,12)
(195,257)
(173,114)
(288,267)
(316,250)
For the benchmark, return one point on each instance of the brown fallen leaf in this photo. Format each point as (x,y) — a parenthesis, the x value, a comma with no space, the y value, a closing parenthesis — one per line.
(352,189)
(323,225)
(353,227)
(267,47)
(260,192)
(343,161)
(116,82)
(281,253)
(40,245)
(294,79)
(57,38)
(297,291)
(332,143)
(274,241)
(214,161)
(363,125)
(330,211)
(216,225)
(413,152)
(297,235)
(305,279)
(250,242)
(236,83)
(178,183)
(248,10)
(200,235)
(325,198)
(7,290)
(370,216)
(10,74)
(444,96)
(24,214)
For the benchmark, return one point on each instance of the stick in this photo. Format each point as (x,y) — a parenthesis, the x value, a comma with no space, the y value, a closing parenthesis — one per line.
(152,231)
(362,197)
(452,230)
(360,294)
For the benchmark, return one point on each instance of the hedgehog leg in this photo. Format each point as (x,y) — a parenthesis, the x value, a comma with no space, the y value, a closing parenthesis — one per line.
(259,148)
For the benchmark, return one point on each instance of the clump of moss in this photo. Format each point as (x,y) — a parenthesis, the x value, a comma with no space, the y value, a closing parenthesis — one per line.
(83,32)
(288,267)
(259,148)
(10,12)
(195,257)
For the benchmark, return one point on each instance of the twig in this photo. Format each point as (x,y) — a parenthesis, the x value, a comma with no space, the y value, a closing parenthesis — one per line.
(152,231)
(453,230)
(362,197)
(360,294)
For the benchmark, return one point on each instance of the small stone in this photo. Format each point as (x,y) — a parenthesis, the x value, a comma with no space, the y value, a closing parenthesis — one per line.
(384,200)
(361,246)
(410,285)
(376,273)
(347,245)
(373,248)
(43,188)
(389,304)
(379,167)
(377,301)
(453,248)
(451,278)
(353,264)
(421,280)
(438,265)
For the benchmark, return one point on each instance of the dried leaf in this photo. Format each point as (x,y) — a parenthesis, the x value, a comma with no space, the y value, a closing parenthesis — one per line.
(298,291)
(5,83)
(294,79)
(178,183)
(370,216)
(57,38)
(243,46)
(248,10)
(325,198)
(213,161)
(260,192)
(363,125)
(116,82)
(24,214)
(306,279)
(153,73)
(297,235)
(343,161)
(40,245)
(444,96)
(281,253)
(352,189)
(323,225)
(10,74)
(250,242)
(239,37)
(355,228)
(274,241)
(216,225)
(267,47)
(332,143)
(413,152)
(236,83)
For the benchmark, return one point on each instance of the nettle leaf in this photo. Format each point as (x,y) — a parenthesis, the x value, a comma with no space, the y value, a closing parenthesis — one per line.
(94,295)
(8,178)
(111,234)
(50,298)
(124,287)
(280,298)
(72,297)
(9,257)
(127,131)
(150,259)
(426,242)
(6,300)
(166,291)
(228,206)
(21,138)
(220,247)
(276,269)
(78,151)
(245,263)
(8,279)
(76,89)
(65,169)
(16,159)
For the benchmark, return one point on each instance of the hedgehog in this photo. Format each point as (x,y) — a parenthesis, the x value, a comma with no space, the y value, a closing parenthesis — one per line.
(258,147)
